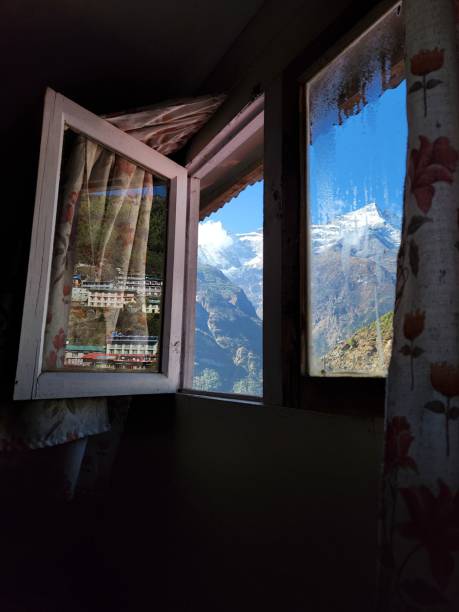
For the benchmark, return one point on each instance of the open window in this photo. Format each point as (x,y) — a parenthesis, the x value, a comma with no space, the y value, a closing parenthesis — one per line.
(228,354)
(104,298)
(224,297)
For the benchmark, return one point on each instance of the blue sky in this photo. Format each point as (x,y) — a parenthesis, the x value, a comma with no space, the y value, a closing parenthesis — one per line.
(361,161)
(351,165)
(244,213)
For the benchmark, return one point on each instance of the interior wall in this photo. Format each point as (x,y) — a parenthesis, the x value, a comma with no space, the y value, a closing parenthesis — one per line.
(284,501)
(279,33)
(242,507)
(214,506)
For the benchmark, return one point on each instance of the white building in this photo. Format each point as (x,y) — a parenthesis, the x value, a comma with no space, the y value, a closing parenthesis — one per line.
(79,294)
(132,345)
(151,308)
(110,299)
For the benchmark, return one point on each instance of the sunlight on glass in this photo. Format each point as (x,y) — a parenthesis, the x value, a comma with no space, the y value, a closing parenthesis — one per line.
(356,165)
(106,287)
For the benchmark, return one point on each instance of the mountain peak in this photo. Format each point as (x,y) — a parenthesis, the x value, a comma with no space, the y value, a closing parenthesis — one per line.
(366,215)
(238,256)
(354,229)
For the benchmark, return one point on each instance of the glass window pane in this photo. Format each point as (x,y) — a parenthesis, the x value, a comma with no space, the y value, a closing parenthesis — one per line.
(107,278)
(356,165)
(229,297)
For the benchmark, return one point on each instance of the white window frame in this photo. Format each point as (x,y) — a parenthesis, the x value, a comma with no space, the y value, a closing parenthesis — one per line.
(31,381)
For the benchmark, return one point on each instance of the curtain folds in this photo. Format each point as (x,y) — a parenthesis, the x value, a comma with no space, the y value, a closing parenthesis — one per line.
(168,126)
(419,536)
(104,219)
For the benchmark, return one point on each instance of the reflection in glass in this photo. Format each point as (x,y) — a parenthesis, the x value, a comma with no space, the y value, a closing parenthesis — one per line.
(356,162)
(107,279)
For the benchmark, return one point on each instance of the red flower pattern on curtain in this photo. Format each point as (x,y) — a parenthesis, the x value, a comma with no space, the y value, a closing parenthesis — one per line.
(398,442)
(431,163)
(434,525)
(420,487)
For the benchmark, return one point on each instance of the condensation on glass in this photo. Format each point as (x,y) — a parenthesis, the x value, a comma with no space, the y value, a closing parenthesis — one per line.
(107,280)
(356,162)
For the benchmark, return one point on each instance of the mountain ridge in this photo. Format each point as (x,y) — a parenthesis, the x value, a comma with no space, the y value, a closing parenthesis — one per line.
(352,284)
(353,275)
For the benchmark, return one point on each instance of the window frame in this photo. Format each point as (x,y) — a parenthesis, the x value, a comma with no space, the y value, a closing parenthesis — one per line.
(31,381)
(290,385)
(351,39)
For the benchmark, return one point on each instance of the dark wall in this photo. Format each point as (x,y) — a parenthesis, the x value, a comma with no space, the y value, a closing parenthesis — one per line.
(228,507)
(213,506)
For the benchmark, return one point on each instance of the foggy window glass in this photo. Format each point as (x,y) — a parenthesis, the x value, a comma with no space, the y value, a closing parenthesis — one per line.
(356,165)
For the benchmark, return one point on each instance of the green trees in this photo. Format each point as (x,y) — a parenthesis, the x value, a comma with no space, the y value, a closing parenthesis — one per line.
(157,236)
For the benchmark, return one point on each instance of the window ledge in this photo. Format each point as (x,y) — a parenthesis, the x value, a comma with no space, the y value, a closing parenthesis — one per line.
(222,397)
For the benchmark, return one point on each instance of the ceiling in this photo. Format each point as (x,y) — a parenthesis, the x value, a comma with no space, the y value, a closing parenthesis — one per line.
(110,55)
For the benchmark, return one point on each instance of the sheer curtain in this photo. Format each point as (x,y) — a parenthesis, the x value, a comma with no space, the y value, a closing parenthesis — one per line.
(104,216)
(105,219)
(419,534)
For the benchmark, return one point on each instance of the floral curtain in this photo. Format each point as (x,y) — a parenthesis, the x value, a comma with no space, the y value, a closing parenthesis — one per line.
(105,216)
(68,463)
(419,534)
(165,127)
(105,207)
(65,424)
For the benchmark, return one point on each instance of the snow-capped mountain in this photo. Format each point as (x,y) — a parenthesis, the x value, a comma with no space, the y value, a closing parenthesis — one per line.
(353,274)
(363,234)
(228,340)
(353,269)
(355,231)
(238,256)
